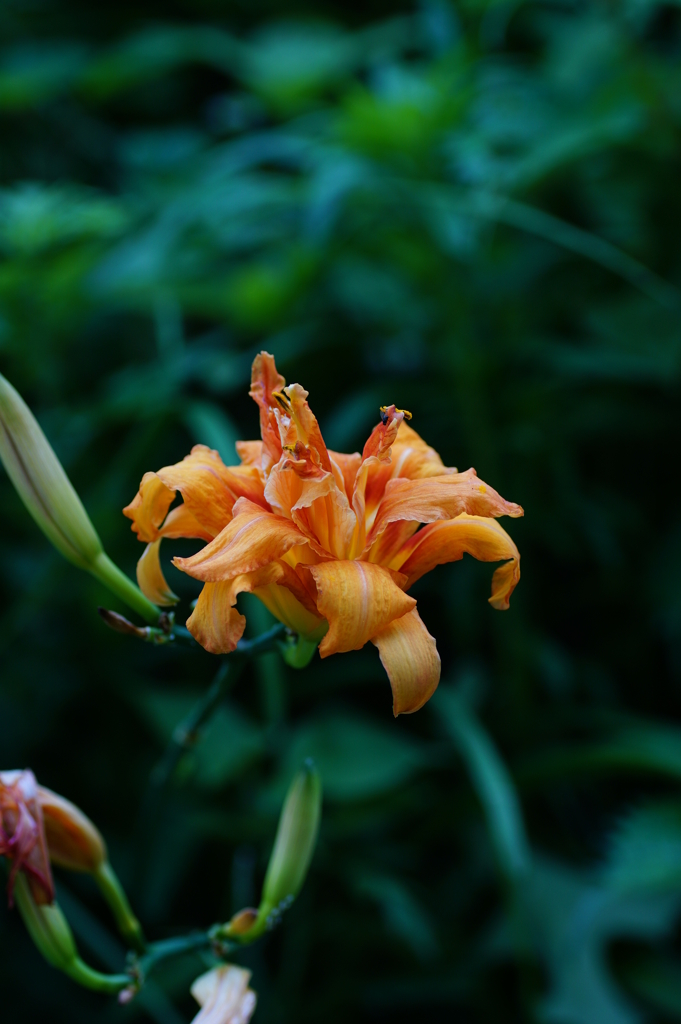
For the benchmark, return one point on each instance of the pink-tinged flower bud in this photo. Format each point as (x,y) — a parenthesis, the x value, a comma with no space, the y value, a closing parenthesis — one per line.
(224,996)
(49,496)
(22,835)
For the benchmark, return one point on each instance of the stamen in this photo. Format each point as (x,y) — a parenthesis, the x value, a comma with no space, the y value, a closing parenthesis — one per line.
(283,400)
(384,415)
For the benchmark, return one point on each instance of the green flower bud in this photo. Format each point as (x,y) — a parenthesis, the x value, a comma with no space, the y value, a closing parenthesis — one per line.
(49,496)
(52,935)
(295,841)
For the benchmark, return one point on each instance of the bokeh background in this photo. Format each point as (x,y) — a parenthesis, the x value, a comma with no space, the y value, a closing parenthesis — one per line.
(472,210)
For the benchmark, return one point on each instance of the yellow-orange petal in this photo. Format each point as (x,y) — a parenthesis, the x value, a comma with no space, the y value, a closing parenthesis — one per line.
(409,656)
(150,576)
(358,599)
(439,497)
(209,488)
(253,538)
(412,458)
(304,428)
(479,536)
(149,507)
(265,381)
(315,503)
(215,623)
(345,468)
(290,602)
(250,452)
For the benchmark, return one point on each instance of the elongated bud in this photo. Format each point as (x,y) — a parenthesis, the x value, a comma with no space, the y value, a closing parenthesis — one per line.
(52,935)
(295,841)
(72,839)
(49,496)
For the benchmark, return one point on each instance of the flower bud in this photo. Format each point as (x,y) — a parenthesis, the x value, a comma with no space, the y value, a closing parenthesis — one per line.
(43,486)
(49,496)
(52,935)
(224,996)
(295,841)
(72,840)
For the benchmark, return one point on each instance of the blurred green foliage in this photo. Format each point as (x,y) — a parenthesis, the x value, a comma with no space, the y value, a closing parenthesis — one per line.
(472,211)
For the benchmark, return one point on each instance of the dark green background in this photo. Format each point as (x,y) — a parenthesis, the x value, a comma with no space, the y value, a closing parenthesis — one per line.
(472,211)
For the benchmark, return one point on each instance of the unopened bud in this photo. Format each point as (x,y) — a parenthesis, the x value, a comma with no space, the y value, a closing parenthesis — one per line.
(41,482)
(295,841)
(53,937)
(72,839)
(49,496)
(241,922)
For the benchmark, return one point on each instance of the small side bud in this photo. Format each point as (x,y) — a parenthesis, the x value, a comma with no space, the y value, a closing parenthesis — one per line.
(295,841)
(241,922)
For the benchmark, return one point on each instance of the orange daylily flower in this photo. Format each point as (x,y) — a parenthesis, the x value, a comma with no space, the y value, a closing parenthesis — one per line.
(330,543)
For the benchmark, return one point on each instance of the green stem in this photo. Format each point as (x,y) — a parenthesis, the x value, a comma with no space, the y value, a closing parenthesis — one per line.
(118,583)
(108,984)
(167,948)
(115,896)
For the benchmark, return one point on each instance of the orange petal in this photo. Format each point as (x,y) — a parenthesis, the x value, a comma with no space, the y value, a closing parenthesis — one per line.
(347,466)
(265,380)
(412,458)
(384,434)
(410,658)
(440,497)
(303,428)
(215,623)
(358,599)
(479,536)
(149,507)
(252,539)
(315,503)
(250,452)
(290,601)
(150,576)
(210,488)
(181,523)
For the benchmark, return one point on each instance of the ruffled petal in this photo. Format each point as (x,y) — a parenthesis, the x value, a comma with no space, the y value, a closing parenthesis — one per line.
(252,539)
(180,522)
(250,452)
(440,497)
(479,536)
(345,469)
(409,656)
(265,381)
(150,576)
(299,426)
(209,488)
(358,599)
(149,507)
(413,459)
(315,502)
(290,601)
(215,623)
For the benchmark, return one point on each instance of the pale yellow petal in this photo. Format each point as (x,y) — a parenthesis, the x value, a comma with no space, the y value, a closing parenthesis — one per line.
(150,576)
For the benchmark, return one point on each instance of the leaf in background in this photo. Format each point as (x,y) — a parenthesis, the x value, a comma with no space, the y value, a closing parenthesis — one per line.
(490,779)
(209,424)
(356,759)
(644,852)
(404,916)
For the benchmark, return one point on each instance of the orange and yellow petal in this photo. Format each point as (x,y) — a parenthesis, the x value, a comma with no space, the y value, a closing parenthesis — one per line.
(440,497)
(252,539)
(409,656)
(250,453)
(358,599)
(215,623)
(209,488)
(289,601)
(479,536)
(150,576)
(149,507)
(265,382)
(302,427)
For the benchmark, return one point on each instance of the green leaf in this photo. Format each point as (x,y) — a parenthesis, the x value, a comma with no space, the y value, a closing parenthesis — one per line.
(645,850)
(491,781)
